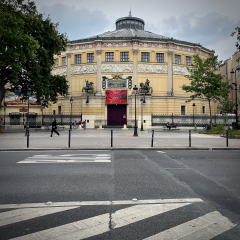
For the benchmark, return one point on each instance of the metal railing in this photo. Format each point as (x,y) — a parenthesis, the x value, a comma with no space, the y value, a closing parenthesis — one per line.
(37,121)
(199,120)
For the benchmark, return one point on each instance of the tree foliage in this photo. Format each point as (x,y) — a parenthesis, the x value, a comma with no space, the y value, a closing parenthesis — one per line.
(204,82)
(28,43)
(237,32)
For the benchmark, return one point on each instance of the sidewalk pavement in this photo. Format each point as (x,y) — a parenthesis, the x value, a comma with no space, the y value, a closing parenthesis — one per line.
(122,139)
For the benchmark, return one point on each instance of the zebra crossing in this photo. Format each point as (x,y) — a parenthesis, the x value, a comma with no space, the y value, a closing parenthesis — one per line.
(208,225)
(68,158)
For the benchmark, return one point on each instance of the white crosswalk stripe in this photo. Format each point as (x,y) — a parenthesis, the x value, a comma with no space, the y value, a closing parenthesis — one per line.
(69,158)
(204,227)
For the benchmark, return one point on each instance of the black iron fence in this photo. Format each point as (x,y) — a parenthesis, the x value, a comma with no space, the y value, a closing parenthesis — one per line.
(199,120)
(36,120)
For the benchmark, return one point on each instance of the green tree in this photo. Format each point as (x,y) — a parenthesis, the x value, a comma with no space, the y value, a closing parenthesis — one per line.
(204,82)
(237,32)
(225,106)
(28,43)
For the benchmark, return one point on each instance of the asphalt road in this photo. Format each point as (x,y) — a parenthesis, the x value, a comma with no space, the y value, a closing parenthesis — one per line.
(120,195)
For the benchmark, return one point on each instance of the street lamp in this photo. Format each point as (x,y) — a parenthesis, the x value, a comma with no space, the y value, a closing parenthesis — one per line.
(28,94)
(142,102)
(71,101)
(236,89)
(135,126)
(193,112)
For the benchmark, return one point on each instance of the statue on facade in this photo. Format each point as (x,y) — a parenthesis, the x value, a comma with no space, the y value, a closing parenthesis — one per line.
(144,87)
(89,87)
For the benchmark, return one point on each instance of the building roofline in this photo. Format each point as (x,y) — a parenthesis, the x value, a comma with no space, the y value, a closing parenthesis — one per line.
(95,38)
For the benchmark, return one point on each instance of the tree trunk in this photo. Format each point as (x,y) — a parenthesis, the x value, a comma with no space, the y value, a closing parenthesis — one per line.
(209,103)
(2,91)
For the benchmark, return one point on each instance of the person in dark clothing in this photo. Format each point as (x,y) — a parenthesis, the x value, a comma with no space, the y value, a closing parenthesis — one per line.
(54,127)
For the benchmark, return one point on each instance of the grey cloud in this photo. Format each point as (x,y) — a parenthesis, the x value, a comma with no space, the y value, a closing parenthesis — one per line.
(77,23)
(208,30)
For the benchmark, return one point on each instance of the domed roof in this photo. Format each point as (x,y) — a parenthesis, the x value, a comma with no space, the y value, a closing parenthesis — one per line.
(129,28)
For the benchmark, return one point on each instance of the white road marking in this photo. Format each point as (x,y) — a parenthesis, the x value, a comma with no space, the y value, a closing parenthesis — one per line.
(161,152)
(68,158)
(100,224)
(99,203)
(204,227)
(29,213)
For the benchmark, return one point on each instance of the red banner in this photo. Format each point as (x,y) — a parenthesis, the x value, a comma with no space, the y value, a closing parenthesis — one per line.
(116,97)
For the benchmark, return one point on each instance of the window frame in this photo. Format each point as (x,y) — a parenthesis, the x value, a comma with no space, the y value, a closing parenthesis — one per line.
(159,57)
(177,57)
(56,62)
(77,57)
(144,57)
(109,56)
(124,56)
(64,61)
(187,60)
(90,58)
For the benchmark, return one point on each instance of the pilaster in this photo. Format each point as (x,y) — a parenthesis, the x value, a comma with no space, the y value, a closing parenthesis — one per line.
(170,74)
(69,72)
(99,66)
(135,67)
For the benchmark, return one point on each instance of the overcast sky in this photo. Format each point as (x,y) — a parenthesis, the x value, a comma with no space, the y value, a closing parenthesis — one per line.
(208,22)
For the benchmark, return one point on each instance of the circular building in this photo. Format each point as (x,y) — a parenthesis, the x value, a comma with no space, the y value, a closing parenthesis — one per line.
(102,71)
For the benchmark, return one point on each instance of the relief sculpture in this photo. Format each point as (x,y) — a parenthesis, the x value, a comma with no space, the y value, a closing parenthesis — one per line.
(62,71)
(153,68)
(117,68)
(84,69)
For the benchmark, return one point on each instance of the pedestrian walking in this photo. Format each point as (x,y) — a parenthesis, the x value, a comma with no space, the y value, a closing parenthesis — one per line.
(54,127)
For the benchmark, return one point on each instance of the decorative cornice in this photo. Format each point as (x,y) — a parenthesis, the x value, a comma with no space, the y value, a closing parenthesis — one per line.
(196,49)
(166,40)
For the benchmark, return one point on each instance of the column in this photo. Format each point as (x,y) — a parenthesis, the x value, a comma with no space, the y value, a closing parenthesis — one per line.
(99,66)
(135,67)
(69,72)
(170,74)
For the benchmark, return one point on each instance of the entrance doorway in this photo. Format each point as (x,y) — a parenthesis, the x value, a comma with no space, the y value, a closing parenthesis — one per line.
(116,115)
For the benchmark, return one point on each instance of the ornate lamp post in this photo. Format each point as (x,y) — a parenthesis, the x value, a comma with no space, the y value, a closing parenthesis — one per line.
(71,101)
(142,102)
(135,126)
(28,94)
(236,89)
(193,112)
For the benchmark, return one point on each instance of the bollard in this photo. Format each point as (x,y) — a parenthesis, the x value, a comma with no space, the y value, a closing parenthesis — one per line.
(227,138)
(69,138)
(111,138)
(152,137)
(28,138)
(189,138)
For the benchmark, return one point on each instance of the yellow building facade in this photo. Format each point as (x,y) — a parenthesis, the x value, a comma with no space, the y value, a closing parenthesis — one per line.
(129,51)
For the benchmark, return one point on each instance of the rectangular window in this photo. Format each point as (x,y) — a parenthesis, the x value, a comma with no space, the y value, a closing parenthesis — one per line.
(188,61)
(54,112)
(90,57)
(177,59)
(59,110)
(56,62)
(203,109)
(124,56)
(78,59)
(64,61)
(145,56)
(182,110)
(160,57)
(109,56)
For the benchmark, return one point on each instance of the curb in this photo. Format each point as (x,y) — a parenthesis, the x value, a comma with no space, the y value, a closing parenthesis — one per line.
(120,148)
